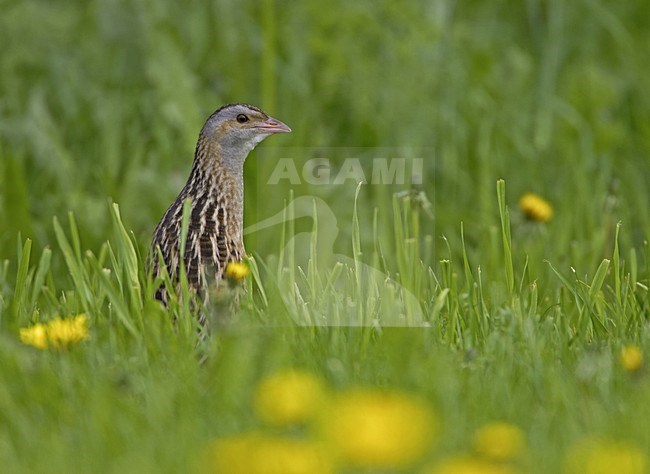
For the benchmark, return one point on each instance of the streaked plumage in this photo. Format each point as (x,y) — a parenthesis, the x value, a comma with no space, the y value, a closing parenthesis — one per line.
(216,191)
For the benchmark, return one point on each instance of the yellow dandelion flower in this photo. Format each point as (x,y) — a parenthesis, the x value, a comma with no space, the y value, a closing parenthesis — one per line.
(601,456)
(374,429)
(631,358)
(535,207)
(499,441)
(237,270)
(470,465)
(257,453)
(58,333)
(61,333)
(35,335)
(287,397)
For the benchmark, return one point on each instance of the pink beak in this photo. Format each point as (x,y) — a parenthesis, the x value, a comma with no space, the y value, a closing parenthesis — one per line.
(271,125)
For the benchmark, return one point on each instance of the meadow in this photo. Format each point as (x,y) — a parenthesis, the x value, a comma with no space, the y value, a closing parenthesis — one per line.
(488,313)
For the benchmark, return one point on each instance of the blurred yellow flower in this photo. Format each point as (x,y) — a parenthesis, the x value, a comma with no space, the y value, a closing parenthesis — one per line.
(601,456)
(470,465)
(35,335)
(499,441)
(57,333)
(535,207)
(63,332)
(256,453)
(631,358)
(236,270)
(374,429)
(287,397)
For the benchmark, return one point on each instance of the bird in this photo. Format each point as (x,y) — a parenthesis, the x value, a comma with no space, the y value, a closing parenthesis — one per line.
(215,189)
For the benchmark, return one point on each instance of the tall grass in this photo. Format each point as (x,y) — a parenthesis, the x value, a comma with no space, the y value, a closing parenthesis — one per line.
(140,370)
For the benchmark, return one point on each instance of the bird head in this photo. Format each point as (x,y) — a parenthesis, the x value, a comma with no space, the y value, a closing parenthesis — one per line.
(237,128)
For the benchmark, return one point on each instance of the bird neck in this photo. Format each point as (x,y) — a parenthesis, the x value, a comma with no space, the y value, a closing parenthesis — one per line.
(218,173)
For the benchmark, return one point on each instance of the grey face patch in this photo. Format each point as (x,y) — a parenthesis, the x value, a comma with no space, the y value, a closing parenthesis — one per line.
(231,133)
(229,113)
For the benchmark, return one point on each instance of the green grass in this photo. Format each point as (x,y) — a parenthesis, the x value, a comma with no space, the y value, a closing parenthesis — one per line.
(525,321)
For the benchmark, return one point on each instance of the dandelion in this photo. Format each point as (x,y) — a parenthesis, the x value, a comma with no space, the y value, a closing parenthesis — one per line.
(499,441)
(601,456)
(631,358)
(58,333)
(236,271)
(470,465)
(375,429)
(535,208)
(35,335)
(257,453)
(288,397)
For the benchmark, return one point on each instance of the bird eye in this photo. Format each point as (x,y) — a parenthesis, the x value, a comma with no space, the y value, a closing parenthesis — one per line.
(241,118)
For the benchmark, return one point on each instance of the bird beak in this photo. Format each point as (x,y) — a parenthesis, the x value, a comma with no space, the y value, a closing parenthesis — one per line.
(271,125)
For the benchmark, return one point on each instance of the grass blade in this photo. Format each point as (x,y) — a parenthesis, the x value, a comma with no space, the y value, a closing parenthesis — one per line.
(18,300)
(505,236)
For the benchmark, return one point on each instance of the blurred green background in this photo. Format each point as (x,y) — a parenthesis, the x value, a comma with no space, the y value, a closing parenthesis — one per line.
(104,99)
